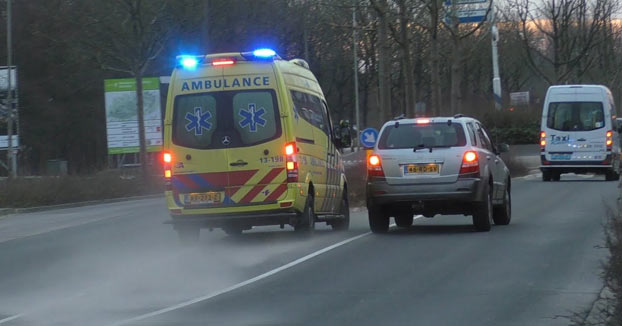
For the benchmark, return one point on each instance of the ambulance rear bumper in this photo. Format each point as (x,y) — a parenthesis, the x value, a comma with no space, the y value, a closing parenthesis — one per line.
(275,217)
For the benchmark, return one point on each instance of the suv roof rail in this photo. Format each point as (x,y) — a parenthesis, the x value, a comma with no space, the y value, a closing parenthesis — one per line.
(400,117)
(459,115)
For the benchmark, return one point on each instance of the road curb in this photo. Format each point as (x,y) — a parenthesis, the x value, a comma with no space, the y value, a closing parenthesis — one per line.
(601,309)
(4,212)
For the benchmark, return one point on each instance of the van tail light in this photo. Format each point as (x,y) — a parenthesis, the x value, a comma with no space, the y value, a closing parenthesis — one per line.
(291,162)
(470,165)
(609,141)
(374,166)
(542,141)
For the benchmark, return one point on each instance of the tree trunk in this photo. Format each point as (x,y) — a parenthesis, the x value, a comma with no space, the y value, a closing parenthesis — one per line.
(435,78)
(456,77)
(141,124)
(408,67)
(384,68)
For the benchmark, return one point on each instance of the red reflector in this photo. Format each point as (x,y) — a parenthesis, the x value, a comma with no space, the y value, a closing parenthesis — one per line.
(286,204)
(223,62)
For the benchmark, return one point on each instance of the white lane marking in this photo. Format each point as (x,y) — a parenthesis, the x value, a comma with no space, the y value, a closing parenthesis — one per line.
(239,285)
(247,282)
(6,320)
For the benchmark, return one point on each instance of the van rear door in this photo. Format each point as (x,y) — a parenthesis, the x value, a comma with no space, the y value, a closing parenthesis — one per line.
(576,131)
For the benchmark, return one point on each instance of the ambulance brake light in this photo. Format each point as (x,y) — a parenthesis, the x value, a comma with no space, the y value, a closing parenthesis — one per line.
(167,158)
(223,62)
(264,53)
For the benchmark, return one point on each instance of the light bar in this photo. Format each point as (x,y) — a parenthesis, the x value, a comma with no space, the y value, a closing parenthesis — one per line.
(264,53)
(188,61)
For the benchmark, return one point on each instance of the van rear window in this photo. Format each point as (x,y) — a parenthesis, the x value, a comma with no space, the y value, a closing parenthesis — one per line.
(575,116)
(422,135)
(225,119)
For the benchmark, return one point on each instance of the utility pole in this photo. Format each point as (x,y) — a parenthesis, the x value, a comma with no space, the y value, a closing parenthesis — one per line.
(496,80)
(11,156)
(356,75)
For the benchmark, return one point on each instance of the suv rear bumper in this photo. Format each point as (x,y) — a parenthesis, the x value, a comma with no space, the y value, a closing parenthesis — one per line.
(459,192)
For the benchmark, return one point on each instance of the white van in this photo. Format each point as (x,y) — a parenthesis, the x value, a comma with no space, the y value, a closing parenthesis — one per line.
(578,132)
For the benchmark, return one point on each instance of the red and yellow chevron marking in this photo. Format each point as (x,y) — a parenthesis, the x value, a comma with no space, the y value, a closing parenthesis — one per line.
(270,181)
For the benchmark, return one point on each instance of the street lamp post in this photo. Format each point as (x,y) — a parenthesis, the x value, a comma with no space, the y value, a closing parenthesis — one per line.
(11,159)
(356,74)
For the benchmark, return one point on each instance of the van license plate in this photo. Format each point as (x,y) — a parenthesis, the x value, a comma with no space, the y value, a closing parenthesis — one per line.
(203,198)
(561,157)
(421,169)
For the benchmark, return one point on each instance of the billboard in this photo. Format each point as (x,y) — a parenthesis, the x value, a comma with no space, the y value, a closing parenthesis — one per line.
(122,117)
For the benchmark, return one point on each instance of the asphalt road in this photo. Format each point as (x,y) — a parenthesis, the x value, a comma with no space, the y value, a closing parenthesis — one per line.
(117,264)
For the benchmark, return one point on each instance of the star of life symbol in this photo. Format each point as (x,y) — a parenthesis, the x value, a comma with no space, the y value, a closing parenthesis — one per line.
(252,117)
(198,121)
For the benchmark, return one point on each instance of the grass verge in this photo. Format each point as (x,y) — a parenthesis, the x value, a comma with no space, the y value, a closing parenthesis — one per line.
(43,191)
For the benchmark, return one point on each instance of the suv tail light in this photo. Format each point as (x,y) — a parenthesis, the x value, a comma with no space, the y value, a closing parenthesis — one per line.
(291,163)
(374,166)
(470,165)
(542,141)
(609,141)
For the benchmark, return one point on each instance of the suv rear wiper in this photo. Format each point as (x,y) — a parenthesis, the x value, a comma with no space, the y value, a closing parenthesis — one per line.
(421,146)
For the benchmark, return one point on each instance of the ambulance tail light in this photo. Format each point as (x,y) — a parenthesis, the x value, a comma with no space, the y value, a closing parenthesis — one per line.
(374,166)
(542,141)
(609,141)
(167,158)
(291,162)
(470,165)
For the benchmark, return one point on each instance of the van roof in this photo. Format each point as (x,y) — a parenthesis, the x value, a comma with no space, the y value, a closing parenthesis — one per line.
(578,87)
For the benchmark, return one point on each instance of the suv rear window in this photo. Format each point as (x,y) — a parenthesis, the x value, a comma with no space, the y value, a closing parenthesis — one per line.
(575,116)
(422,135)
(225,119)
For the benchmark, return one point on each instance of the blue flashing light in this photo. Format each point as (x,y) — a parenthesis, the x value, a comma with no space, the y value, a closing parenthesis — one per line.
(188,62)
(264,53)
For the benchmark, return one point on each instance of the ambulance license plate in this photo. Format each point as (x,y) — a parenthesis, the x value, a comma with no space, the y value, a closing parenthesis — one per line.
(421,169)
(198,198)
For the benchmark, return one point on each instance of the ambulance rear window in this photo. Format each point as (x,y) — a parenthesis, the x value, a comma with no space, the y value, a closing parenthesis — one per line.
(225,119)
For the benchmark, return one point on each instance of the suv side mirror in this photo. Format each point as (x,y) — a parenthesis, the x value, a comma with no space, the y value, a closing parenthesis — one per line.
(503,148)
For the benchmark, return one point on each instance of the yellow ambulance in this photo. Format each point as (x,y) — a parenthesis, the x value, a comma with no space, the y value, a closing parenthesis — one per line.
(249,141)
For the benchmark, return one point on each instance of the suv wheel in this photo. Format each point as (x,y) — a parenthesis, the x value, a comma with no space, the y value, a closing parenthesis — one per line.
(404,220)
(483,213)
(306,220)
(556,176)
(378,220)
(546,175)
(503,213)
(343,224)
(612,175)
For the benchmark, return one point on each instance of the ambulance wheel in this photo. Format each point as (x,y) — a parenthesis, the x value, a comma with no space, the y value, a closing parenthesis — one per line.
(556,176)
(188,235)
(343,224)
(233,231)
(306,220)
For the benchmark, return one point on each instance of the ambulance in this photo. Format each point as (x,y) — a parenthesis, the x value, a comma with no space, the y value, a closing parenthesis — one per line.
(249,141)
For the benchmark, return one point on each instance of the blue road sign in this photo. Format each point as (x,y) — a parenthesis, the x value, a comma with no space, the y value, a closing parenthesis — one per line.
(369,137)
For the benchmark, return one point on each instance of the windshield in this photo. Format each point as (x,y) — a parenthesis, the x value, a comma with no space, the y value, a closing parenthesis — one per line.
(247,117)
(422,135)
(576,116)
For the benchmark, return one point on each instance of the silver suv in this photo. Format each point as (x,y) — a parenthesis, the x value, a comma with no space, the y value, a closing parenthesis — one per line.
(439,165)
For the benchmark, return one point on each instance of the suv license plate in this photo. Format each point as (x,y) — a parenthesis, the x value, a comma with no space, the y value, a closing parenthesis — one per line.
(198,198)
(421,169)
(561,157)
